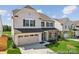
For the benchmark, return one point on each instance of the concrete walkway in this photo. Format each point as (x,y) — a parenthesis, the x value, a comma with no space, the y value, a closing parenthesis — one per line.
(74,39)
(35,49)
(3,52)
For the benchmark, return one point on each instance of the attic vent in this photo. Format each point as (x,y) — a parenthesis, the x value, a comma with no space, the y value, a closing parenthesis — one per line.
(40,18)
(16,16)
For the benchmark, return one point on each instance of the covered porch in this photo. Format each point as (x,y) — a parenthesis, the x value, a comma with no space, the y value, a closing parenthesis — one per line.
(50,35)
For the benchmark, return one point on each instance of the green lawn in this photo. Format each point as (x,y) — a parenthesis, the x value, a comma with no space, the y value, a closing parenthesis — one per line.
(12,50)
(65,47)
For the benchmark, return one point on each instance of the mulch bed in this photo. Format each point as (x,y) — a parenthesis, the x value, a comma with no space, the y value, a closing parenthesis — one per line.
(3,42)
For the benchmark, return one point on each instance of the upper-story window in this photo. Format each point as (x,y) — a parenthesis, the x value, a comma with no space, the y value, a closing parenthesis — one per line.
(25,22)
(28,22)
(51,24)
(42,24)
(32,22)
(47,24)
(72,26)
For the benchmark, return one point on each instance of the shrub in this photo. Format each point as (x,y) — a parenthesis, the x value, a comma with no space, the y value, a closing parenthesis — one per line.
(13,51)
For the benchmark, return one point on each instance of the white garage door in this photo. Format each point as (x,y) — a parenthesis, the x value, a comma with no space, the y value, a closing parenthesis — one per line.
(27,39)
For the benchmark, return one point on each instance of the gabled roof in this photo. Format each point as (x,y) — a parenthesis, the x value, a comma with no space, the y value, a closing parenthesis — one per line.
(17,10)
(44,17)
(41,15)
(66,20)
(63,20)
(30,7)
(76,23)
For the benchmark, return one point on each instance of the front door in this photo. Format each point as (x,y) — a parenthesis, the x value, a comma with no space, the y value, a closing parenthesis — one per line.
(43,36)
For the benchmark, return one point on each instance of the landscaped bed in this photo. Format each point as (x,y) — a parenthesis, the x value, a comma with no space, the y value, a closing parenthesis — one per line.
(65,47)
(12,50)
(10,43)
(3,43)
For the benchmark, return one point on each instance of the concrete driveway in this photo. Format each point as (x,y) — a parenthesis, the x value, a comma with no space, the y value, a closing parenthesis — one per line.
(35,49)
(74,39)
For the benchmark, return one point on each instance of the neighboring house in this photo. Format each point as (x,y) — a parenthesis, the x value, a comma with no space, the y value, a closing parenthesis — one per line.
(68,25)
(1,28)
(30,26)
(57,24)
(76,29)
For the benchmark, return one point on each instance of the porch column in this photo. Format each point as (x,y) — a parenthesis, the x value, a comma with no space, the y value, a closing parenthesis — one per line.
(40,37)
(47,35)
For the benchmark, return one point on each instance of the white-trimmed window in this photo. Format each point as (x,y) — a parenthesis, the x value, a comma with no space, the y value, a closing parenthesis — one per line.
(51,24)
(26,35)
(32,22)
(20,36)
(47,24)
(25,22)
(42,24)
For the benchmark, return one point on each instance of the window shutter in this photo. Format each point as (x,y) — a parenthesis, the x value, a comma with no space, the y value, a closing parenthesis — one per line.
(23,22)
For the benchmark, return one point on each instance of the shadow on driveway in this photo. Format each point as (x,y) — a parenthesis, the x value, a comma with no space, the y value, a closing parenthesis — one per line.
(33,46)
(35,49)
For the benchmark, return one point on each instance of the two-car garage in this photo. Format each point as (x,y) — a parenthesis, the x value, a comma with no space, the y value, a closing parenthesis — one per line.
(27,38)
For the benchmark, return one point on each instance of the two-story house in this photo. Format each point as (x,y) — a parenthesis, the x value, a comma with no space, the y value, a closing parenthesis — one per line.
(66,23)
(76,28)
(1,28)
(30,26)
(68,26)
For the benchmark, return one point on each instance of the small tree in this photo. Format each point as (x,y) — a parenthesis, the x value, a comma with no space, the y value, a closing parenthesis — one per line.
(6,28)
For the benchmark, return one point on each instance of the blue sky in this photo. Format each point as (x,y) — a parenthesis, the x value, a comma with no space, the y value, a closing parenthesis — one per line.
(54,11)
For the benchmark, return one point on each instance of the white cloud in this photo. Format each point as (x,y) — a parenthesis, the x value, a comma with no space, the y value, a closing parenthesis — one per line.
(69,9)
(64,16)
(40,11)
(3,12)
(9,15)
(9,18)
(54,16)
